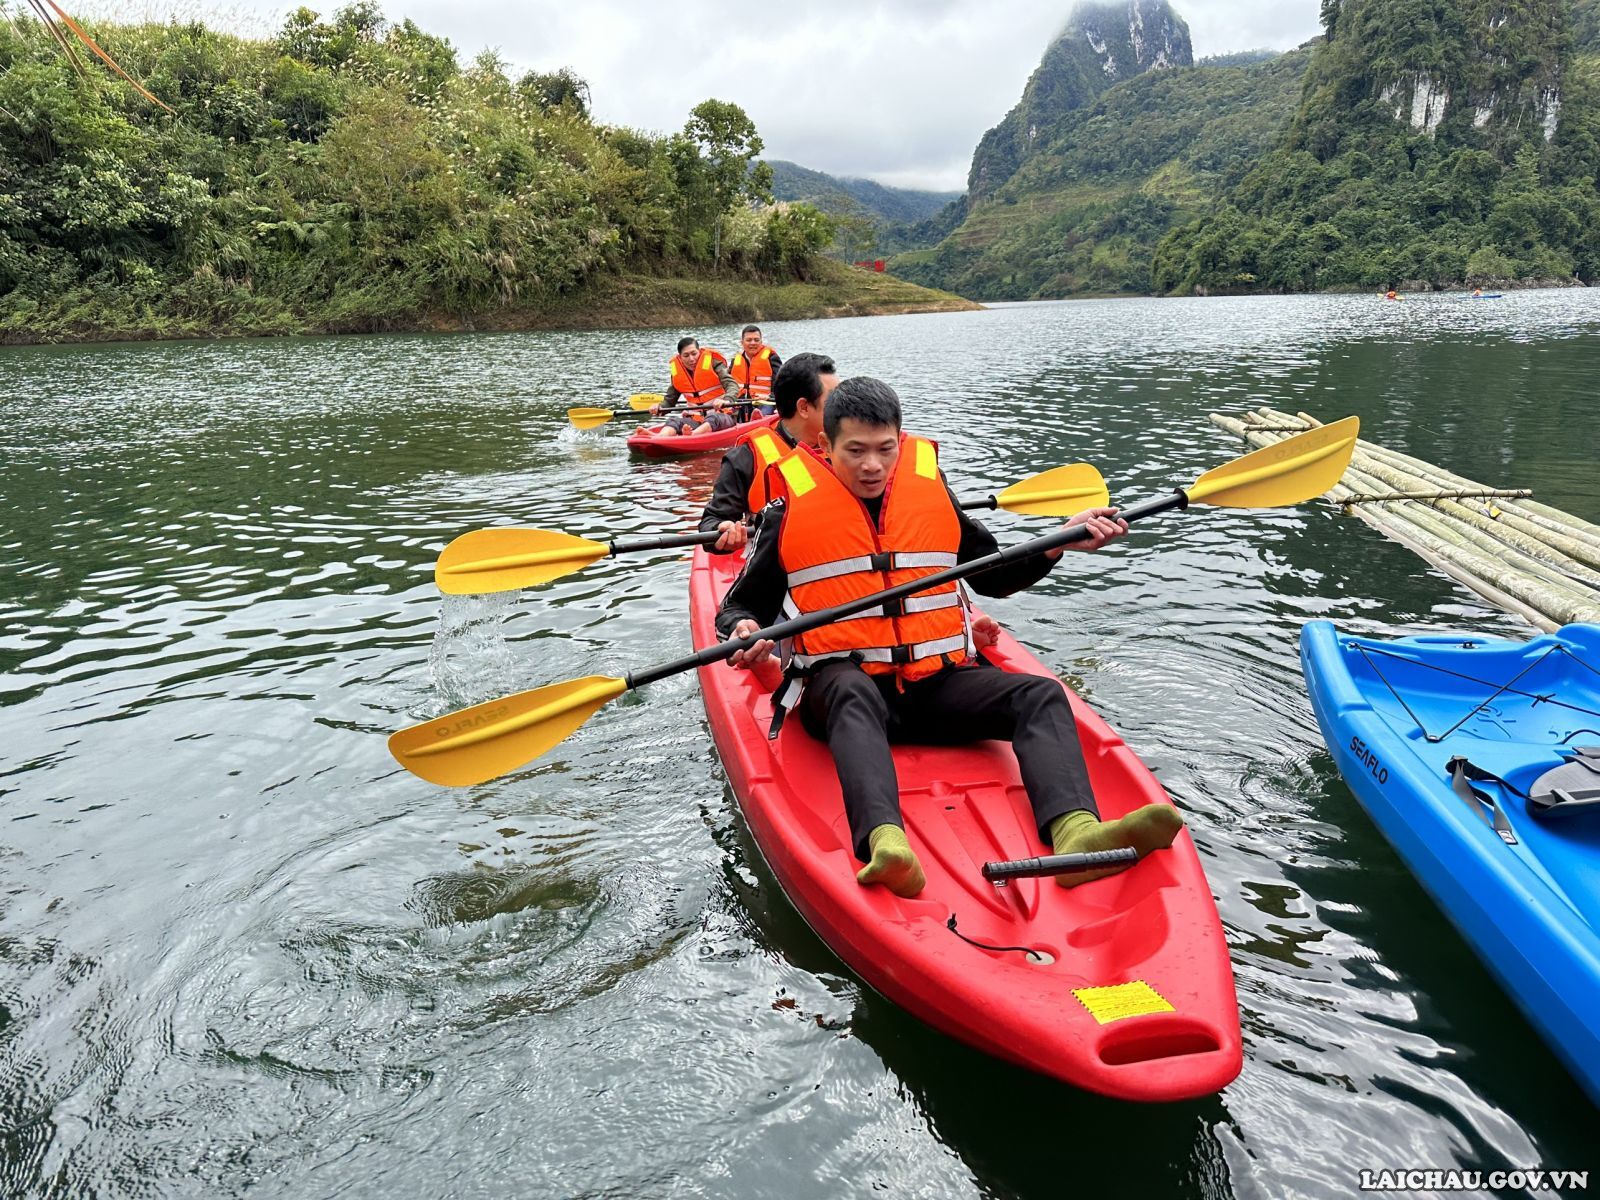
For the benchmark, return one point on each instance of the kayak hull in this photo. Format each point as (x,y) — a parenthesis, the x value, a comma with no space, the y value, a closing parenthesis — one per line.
(1531,911)
(649,443)
(1164,1024)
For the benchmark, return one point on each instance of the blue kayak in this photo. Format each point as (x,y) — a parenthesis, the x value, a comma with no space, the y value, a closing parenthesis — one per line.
(1479,759)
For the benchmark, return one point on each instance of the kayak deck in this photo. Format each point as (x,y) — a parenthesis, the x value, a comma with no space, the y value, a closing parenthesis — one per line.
(1396,712)
(649,442)
(1121,986)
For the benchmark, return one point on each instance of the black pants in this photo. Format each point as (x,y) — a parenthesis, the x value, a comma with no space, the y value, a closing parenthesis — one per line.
(858,715)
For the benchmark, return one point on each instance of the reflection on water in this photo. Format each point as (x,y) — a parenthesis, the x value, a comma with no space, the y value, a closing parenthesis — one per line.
(239,950)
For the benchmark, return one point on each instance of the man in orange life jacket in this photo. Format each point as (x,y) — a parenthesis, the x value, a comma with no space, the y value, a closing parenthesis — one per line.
(754,368)
(800,388)
(913,675)
(700,377)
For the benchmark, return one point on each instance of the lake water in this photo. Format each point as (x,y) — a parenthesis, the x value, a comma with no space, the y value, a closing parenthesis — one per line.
(242,952)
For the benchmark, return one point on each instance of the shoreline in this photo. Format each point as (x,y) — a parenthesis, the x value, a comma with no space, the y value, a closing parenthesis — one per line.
(627,301)
(1410,287)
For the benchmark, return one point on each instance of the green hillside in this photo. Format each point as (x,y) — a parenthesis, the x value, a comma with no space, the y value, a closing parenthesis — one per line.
(1438,142)
(346,175)
(845,196)
(1418,143)
(1084,213)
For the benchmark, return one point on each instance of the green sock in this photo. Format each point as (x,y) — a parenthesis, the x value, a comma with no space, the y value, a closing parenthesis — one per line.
(894,864)
(1146,829)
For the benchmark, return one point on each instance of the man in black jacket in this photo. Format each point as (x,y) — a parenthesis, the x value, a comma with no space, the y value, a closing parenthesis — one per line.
(857,707)
(800,390)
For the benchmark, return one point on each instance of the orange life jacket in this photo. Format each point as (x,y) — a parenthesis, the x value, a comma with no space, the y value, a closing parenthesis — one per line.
(832,554)
(767,446)
(754,375)
(704,387)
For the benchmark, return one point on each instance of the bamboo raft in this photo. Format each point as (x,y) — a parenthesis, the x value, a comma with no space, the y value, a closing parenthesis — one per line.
(1532,560)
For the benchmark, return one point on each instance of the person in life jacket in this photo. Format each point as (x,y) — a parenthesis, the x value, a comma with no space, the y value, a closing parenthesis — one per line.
(799,390)
(753,369)
(877,514)
(699,377)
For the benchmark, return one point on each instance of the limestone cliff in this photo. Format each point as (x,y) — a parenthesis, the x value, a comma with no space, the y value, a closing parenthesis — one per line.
(1102,45)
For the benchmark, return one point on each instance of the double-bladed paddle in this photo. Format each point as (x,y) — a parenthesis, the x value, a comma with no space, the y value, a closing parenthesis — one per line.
(504,560)
(474,745)
(638,406)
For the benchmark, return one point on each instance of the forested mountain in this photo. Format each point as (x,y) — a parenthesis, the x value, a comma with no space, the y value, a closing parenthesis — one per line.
(1102,45)
(846,196)
(345,174)
(1418,142)
(1457,140)
(1104,180)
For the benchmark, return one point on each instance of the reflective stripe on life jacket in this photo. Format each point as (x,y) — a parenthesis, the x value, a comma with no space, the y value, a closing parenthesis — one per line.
(766,447)
(704,387)
(832,554)
(754,375)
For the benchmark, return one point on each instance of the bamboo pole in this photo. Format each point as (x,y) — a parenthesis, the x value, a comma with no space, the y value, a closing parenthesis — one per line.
(1542,592)
(1471,494)
(1527,516)
(1486,528)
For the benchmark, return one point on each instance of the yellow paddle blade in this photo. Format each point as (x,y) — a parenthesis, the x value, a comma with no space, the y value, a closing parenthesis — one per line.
(480,743)
(506,560)
(1294,470)
(644,401)
(1062,492)
(588,418)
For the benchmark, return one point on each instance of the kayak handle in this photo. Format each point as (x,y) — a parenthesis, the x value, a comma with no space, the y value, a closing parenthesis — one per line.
(1058,864)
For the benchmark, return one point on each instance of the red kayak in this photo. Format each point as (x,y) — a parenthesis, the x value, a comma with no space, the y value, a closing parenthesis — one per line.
(650,443)
(1121,986)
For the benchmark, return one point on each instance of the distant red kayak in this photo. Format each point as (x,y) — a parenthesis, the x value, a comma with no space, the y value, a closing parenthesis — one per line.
(1128,990)
(649,441)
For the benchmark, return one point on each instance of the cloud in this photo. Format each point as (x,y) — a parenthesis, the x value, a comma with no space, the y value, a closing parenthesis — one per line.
(895,90)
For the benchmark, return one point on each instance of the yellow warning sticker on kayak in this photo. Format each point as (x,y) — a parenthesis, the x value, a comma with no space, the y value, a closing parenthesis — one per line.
(1108,1004)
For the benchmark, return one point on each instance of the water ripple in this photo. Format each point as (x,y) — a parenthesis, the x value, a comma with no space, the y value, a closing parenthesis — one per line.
(240,951)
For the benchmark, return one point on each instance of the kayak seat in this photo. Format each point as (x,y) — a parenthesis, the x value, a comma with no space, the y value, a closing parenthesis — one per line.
(1570,790)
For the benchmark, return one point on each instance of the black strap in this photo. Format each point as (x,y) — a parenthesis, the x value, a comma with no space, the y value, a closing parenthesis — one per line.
(1028,950)
(1461,771)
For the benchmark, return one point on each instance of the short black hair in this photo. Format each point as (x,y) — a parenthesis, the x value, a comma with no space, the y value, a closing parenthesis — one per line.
(685,342)
(749,329)
(870,401)
(800,378)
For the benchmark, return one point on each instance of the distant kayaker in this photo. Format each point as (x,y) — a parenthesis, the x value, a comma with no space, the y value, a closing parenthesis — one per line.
(799,389)
(1391,294)
(699,377)
(880,514)
(1477,293)
(753,369)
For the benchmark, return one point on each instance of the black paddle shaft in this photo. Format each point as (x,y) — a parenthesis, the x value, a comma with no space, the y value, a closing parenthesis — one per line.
(1058,864)
(802,624)
(675,542)
(682,540)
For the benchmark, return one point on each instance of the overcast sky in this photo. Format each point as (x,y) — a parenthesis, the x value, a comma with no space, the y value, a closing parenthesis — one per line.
(893,90)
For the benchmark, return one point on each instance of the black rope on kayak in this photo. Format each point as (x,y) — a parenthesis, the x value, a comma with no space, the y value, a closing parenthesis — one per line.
(1575,733)
(1416,719)
(1502,689)
(1028,950)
